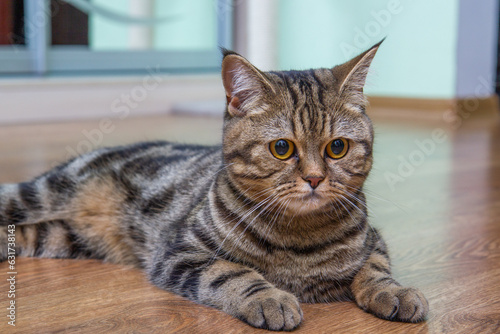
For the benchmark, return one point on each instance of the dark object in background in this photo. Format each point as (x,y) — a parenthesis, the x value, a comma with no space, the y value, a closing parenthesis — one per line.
(69,25)
(5,21)
(11,22)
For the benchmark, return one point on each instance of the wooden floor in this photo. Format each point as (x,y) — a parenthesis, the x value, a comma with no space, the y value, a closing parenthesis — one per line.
(437,203)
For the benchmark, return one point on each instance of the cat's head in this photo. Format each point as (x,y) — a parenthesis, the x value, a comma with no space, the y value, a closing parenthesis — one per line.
(297,139)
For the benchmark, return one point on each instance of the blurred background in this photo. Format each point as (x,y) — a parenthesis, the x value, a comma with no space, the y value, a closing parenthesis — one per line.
(75,58)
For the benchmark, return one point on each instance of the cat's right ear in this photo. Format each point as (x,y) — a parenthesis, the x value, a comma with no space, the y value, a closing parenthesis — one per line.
(352,76)
(244,84)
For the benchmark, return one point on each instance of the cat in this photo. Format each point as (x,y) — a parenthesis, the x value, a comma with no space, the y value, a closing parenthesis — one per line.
(273,217)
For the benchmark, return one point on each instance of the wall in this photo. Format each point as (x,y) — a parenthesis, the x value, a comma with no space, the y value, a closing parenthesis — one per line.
(418,58)
(191,25)
(477,48)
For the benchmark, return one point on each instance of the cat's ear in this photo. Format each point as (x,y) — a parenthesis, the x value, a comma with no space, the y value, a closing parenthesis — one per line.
(244,84)
(352,77)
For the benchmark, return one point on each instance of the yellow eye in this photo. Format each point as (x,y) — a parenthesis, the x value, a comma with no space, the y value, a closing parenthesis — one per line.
(282,148)
(337,148)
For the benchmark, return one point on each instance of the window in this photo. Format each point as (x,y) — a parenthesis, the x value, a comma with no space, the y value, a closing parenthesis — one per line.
(106,36)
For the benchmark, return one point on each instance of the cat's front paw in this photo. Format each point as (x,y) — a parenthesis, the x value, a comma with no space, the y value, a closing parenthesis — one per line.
(272,309)
(399,304)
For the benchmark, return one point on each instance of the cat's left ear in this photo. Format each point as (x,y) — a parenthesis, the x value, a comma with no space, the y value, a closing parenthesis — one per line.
(352,77)
(246,86)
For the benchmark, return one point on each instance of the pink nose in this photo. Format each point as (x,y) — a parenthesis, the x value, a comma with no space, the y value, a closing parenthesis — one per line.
(314,181)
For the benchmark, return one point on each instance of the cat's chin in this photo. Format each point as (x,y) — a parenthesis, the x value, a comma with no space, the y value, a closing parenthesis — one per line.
(308,203)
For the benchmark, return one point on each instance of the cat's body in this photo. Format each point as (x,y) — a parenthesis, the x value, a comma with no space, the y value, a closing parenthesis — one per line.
(233,227)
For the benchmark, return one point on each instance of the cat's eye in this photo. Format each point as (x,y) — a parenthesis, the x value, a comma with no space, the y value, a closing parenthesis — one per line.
(282,148)
(337,148)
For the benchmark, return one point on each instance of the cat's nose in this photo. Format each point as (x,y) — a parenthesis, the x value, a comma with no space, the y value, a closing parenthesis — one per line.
(314,180)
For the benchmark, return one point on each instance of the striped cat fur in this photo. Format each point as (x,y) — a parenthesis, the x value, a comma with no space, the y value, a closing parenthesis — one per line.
(232,227)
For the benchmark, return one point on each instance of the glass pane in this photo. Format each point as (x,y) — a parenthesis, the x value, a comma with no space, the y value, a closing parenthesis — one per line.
(11,22)
(120,25)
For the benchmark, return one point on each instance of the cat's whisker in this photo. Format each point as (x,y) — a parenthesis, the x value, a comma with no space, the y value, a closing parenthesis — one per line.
(241,220)
(262,192)
(277,213)
(345,208)
(337,209)
(221,169)
(343,197)
(282,207)
(249,211)
(352,195)
(338,190)
(292,218)
(361,202)
(275,218)
(270,203)
(372,194)
(242,208)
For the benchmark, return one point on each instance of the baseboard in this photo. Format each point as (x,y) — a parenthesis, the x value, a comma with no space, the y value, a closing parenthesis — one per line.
(477,108)
(433,109)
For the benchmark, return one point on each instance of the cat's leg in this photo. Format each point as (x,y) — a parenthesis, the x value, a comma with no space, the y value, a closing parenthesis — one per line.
(56,217)
(233,288)
(375,290)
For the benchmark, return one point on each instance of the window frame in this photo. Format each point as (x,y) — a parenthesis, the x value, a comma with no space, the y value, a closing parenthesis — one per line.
(38,57)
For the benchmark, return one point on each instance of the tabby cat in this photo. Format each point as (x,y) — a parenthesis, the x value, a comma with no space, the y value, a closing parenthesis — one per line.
(274,217)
